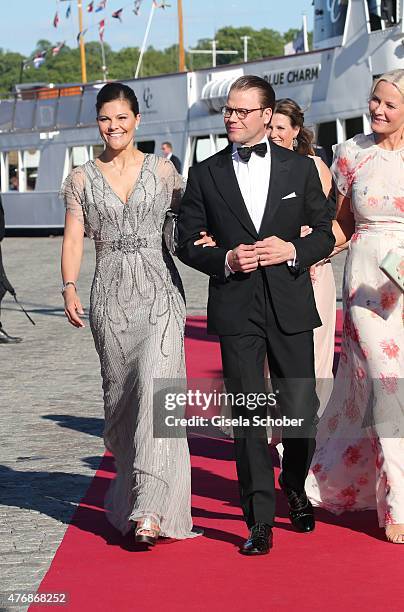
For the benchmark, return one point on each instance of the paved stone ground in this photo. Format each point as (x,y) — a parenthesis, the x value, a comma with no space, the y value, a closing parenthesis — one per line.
(51,409)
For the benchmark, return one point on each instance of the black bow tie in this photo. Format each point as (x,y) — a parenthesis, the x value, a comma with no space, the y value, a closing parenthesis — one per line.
(245,152)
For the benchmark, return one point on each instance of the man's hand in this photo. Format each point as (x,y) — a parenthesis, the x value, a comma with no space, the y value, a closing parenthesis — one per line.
(243,258)
(274,250)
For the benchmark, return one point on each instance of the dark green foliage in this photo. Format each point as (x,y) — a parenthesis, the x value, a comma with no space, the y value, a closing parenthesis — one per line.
(65,67)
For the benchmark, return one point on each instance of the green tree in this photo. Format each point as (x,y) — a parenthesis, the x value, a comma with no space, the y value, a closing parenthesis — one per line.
(65,67)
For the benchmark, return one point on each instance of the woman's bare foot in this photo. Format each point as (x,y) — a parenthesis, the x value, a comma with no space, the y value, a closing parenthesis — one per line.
(395,533)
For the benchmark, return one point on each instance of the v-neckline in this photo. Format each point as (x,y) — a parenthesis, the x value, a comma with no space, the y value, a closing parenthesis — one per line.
(135,184)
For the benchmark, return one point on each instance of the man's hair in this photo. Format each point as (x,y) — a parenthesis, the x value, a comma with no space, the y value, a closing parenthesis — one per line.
(250,81)
(168,144)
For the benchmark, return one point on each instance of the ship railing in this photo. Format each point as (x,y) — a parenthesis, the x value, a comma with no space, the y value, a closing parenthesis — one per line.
(48,108)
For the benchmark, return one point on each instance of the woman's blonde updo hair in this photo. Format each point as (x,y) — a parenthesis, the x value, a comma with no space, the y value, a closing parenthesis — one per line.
(395,77)
(289,108)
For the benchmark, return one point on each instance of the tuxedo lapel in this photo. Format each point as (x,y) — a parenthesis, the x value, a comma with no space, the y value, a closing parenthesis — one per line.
(277,180)
(225,179)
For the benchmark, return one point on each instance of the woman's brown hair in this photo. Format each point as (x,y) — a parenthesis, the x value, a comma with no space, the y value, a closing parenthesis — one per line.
(292,110)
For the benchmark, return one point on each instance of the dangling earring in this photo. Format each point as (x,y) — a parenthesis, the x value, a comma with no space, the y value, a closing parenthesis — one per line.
(295,144)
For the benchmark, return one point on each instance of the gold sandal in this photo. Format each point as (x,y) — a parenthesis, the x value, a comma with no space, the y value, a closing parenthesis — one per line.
(152,531)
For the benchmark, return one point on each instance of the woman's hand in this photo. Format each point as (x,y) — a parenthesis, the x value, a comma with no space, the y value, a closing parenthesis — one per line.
(312,271)
(206,240)
(73,307)
(305,230)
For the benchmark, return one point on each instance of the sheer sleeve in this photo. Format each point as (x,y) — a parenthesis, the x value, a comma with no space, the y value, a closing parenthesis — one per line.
(178,191)
(343,168)
(175,184)
(73,194)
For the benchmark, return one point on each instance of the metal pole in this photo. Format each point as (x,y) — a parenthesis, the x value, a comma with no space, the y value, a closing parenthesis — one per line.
(181,50)
(146,34)
(104,65)
(245,39)
(214,43)
(305,37)
(82,47)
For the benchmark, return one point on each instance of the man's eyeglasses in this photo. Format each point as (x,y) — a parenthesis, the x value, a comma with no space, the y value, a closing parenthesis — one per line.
(241,113)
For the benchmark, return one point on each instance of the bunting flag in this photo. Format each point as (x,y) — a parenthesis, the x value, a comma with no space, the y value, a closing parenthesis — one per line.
(136,8)
(162,5)
(80,34)
(39,59)
(101,28)
(68,11)
(56,20)
(117,14)
(55,50)
(101,6)
(90,7)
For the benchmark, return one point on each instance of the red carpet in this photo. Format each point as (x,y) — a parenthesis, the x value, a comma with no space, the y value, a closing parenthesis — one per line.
(344,565)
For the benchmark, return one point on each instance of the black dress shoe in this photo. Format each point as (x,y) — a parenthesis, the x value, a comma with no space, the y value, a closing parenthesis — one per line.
(259,542)
(6,339)
(301,511)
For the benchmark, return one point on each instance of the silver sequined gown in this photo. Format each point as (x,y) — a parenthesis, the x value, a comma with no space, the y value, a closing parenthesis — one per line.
(137,315)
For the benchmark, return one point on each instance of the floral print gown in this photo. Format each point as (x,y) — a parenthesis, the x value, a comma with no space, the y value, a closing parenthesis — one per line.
(359,461)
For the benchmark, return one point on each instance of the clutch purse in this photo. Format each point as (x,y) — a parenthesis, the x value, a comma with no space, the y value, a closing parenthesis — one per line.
(393,266)
(170,231)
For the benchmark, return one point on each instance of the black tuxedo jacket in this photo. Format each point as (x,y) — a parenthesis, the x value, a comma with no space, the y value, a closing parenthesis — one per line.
(177,163)
(213,202)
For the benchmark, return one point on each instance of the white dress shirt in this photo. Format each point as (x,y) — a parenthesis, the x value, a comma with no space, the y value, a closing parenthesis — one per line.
(253,179)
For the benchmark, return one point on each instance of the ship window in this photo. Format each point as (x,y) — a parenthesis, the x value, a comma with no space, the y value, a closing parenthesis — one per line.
(96,150)
(78,156)
(203,149)
(221,142)
(146,146)
(327,136)
(382,14)
(9,171)
(353,126)
(30,163)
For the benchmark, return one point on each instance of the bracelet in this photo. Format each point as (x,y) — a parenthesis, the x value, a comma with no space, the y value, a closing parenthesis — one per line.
(66,284)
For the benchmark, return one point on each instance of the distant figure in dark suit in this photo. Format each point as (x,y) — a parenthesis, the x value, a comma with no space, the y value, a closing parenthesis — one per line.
(5,286)
(167,150)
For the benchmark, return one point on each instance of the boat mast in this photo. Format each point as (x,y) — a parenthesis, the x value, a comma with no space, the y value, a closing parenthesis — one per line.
(181,51)
(81,42)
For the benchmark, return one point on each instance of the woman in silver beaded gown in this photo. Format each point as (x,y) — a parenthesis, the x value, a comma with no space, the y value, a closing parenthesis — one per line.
(137,315)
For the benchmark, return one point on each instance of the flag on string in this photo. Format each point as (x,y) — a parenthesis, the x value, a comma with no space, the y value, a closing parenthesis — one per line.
(90,7)
(39,59)
(80,34)
(101,6)
(136,8)
(58,47)
(162,5)
(101,28)
(68,11)
(56,20)
(300,42)
(117,14)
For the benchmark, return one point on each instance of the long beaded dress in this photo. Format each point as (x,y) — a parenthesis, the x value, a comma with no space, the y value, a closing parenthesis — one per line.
(137,317)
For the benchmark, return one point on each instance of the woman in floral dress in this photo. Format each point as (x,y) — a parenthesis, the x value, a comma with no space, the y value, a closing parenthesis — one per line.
(359,461)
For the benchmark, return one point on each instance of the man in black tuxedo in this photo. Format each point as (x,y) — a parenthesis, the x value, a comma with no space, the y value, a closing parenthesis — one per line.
(167,150)
(253,197)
